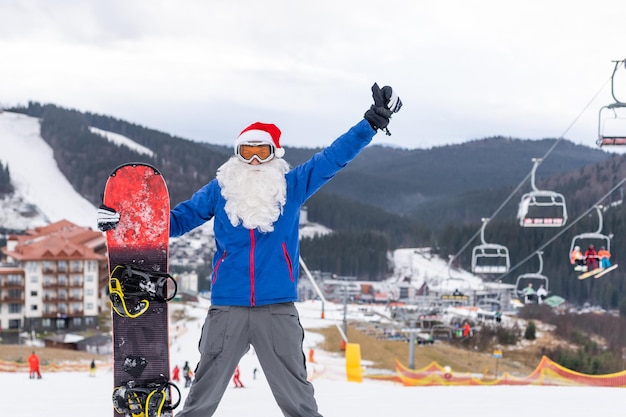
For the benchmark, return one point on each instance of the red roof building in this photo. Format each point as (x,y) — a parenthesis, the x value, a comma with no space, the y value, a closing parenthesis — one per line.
(51,278)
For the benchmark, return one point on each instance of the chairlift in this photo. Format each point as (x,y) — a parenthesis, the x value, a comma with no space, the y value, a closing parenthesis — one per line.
(537,279)
(612,117)
(596,238)
(489,258)
(541,208)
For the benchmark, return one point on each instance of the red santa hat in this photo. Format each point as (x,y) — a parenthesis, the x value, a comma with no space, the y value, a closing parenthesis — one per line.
(266,133)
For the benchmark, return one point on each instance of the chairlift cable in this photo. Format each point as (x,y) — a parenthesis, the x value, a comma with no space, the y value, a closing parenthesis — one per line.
(579,218)
(526,178)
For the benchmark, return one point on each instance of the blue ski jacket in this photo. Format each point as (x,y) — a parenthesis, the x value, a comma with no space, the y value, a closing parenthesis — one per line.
(252,268)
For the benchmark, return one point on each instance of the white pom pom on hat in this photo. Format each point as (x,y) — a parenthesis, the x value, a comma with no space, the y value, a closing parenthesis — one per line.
(263,133)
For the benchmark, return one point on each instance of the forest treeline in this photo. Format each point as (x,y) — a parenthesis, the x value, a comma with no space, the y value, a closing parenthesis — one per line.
(5,179)
(387,198)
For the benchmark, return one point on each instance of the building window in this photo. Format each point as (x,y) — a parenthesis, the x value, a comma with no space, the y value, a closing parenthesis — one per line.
(46,323)
(76,280)
(33,307)
(89,278)
(15,294)
(76,266)
(14,279)
(62,265)
(33,293)
(49,266)
(63,280)
(15,308)
(34,279)
(60,323)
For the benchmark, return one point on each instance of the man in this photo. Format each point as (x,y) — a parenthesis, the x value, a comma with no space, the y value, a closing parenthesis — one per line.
(605,257)
(542,293)
(578,259)
(237,378)
(591,258)
(529,293)
(33,366)
(255,202)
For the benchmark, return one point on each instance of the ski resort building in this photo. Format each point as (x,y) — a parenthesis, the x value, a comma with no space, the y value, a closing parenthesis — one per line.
(50,279)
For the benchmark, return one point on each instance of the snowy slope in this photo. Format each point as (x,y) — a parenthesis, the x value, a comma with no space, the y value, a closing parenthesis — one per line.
(43,195)
(422,267)
(37,178)
(60,393)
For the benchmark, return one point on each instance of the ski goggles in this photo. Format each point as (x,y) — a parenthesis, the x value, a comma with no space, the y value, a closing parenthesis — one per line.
(262,152)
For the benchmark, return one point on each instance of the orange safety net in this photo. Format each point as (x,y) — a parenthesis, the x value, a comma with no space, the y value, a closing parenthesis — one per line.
(547,372)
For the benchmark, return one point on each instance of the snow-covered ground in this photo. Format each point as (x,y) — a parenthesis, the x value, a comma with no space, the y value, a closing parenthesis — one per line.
(37,178)
(75,393)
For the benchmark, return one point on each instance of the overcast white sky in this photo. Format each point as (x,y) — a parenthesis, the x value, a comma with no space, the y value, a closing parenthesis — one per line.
(204,70)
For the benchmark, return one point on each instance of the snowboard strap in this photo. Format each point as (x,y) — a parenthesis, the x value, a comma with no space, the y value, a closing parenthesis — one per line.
(147,400)
(131,287)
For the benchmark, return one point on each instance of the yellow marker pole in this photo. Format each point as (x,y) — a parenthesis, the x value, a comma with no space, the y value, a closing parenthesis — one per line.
(354,371)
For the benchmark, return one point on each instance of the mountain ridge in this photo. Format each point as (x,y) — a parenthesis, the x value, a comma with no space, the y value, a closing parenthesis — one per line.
(450,196)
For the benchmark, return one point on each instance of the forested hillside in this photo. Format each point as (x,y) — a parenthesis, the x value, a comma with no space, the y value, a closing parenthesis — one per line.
(387,197)
(5,179)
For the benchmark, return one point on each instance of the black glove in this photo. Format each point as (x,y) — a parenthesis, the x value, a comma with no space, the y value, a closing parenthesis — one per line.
(107,218)
(386,102)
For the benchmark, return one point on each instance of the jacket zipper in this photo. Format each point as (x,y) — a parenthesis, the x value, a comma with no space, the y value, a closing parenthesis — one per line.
(252,244)
(217,266)
(288,260)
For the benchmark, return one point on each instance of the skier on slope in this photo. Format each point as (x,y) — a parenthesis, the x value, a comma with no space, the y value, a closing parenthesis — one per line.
(255,201)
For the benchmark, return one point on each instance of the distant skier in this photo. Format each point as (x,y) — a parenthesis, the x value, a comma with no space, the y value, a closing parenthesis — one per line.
(33,365)
(187,373)
(467,330)
(176,373)
(236,376)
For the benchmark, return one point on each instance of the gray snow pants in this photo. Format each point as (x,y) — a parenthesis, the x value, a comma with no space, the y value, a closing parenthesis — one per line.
(276,334)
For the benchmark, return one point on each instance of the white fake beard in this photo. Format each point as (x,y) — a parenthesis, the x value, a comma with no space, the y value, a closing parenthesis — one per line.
(255,194)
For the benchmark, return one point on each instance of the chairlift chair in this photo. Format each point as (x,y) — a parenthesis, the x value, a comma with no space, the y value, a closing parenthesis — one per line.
(490,258)
(533,278)
(541,208)
(613,113)
(596,238)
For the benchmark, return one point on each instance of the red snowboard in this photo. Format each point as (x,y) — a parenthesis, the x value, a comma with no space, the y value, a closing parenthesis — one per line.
(138,250)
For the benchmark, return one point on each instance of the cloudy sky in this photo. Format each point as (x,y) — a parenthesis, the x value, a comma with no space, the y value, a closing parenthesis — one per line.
(204,70)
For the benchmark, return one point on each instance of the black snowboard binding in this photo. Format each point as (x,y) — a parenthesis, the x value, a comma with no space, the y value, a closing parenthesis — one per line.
(150,399)
(131,288)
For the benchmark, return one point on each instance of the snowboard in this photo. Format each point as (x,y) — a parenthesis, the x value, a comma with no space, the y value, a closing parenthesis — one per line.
(139,288)
(588,274)
(605,271)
